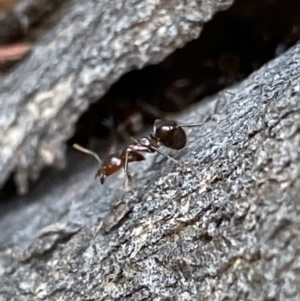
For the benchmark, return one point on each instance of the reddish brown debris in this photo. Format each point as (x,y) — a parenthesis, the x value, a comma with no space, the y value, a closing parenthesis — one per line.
(13,52)
(7,5)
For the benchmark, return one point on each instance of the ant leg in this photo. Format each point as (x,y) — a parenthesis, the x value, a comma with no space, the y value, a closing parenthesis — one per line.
(128,177)
(134,140)
(121,130)
(150,110)
(112,142)
(165,155)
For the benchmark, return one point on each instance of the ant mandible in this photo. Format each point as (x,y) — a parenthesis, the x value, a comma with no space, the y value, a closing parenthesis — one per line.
(168,133)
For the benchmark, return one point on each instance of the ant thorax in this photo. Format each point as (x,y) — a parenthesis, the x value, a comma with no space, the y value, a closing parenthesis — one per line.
(146,141)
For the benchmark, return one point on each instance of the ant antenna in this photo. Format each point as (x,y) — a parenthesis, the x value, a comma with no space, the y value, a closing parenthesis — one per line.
(229,92)
(87,151)
(187,125)
(183,125)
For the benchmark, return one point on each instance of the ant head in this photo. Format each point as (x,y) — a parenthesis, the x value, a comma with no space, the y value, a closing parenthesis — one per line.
(109,166)
(169,134)
(102,176)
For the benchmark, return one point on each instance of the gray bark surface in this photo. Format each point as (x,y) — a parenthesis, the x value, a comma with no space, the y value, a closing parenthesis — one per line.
(75,63)
(223,226)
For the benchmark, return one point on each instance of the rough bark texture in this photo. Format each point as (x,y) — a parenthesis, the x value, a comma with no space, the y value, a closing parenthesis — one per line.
(75,63)
(224,226)
(17,18)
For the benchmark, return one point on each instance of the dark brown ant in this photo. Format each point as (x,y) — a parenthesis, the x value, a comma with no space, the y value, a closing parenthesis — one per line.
(168,133)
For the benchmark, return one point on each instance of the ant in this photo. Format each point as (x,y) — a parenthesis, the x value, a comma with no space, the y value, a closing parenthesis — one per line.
(168,133)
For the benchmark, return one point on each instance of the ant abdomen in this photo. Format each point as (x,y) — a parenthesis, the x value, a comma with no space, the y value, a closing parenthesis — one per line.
(170,134)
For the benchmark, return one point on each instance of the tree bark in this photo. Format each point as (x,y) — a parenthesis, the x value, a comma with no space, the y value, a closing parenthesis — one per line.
(84,49)
(224,225)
